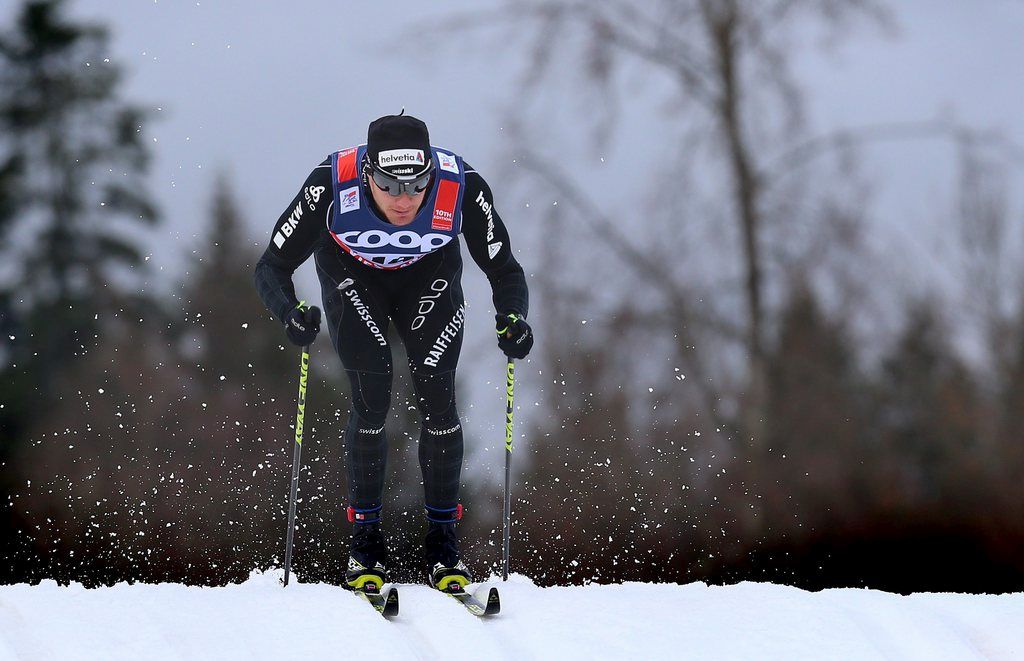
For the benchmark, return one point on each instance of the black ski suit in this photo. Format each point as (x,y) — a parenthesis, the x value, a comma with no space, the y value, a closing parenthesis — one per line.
(425,302)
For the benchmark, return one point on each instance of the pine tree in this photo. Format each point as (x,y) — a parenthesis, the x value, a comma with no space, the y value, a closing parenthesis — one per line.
(226,317)
(1009,450)
(929,408)
(813,474)
(71,166)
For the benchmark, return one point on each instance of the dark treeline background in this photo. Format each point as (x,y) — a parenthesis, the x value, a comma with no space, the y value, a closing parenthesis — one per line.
(756,392)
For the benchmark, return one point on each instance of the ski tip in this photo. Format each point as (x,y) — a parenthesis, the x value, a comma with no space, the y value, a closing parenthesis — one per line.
(391,603)
(493,602)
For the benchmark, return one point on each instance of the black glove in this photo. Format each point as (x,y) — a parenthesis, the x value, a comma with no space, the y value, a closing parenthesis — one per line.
(515,338)
(302,324)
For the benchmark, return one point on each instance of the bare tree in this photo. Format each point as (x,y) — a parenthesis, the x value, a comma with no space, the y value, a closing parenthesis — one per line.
(729,65)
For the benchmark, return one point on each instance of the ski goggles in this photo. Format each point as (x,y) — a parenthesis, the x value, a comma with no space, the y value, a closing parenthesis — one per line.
(395,187)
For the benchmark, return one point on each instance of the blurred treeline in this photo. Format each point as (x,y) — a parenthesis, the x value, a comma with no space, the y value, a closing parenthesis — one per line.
(757,393)
(752,370)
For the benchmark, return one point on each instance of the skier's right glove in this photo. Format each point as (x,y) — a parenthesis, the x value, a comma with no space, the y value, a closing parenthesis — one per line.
(302,324)
(515,338)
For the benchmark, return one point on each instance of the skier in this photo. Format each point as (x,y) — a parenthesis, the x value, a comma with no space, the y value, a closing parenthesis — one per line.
(381,221)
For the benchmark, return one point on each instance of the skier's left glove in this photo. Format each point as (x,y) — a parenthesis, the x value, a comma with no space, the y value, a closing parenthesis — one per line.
(515,338)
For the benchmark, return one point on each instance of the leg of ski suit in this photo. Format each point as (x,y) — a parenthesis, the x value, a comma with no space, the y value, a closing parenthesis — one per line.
(426,303)
(430,319)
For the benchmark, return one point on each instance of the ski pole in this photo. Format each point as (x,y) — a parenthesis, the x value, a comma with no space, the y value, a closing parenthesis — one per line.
(509,391)
(296,461)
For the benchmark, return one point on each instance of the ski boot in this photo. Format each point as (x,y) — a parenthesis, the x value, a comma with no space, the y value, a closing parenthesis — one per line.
(366,559)
(445,568)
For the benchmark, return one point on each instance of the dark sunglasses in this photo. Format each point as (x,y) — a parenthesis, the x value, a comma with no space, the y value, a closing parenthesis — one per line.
(394,187)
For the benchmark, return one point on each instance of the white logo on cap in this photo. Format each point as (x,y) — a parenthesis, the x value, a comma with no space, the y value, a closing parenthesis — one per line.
(447,162)
(400,157)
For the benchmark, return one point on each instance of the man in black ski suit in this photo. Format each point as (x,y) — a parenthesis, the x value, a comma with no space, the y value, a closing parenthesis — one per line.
(381,221)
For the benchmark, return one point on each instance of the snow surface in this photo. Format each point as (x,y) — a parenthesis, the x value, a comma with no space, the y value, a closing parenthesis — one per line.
(259,619)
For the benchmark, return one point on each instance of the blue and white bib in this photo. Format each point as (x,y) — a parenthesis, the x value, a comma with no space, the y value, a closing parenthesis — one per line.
(359,231)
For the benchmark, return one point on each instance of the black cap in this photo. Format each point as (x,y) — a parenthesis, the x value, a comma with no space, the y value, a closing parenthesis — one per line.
(399,145)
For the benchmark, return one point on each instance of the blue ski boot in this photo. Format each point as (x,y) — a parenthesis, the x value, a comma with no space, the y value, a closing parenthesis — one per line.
(366,558)
(445,568)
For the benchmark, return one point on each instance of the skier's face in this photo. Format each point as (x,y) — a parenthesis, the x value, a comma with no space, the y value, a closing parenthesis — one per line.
(399,210)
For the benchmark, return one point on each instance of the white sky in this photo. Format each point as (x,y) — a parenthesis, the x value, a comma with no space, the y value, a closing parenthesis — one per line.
(263,90)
